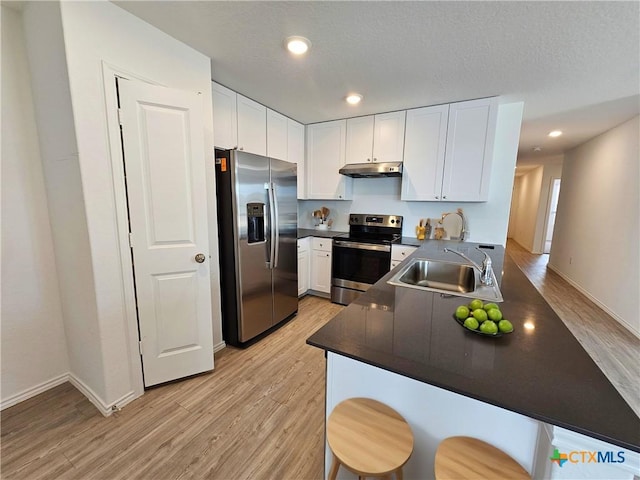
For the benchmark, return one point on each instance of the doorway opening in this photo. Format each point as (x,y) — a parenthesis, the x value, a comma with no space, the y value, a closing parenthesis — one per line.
(551,214)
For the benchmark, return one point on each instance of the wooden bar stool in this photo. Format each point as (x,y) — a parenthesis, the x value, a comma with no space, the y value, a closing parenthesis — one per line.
(466,458)
(368,438)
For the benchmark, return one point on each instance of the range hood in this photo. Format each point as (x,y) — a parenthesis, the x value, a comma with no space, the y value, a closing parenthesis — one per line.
(372,169)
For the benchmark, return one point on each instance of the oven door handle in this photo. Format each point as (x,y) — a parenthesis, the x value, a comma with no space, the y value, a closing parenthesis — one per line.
(362,246)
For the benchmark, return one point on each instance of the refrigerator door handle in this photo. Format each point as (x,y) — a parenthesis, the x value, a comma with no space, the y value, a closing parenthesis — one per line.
(272,227)
(275,233)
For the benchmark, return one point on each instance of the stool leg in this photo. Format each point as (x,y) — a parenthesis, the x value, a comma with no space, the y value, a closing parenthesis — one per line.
(335,464)
(399,474)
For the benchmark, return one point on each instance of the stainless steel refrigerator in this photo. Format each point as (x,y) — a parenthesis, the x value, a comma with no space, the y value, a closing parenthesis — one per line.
(257,231)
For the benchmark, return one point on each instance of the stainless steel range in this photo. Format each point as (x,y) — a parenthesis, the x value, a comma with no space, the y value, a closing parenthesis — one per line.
(363,256)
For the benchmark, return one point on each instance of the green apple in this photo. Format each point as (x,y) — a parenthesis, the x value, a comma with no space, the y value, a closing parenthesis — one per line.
(505,326)
(489,306)
(475,304)
(462,312)
(489,327)
(471,323)
(494,314)
(480,315)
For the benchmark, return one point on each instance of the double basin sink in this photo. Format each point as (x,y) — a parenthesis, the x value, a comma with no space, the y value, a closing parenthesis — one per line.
(446,278)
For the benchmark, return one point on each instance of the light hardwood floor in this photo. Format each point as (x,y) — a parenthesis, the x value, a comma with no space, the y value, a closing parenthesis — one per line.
(610,345)
(259,415)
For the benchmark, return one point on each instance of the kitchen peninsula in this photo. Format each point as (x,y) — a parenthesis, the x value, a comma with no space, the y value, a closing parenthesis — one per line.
(403,347)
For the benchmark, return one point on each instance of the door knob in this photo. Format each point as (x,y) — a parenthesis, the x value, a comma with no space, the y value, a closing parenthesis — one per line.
(200,258)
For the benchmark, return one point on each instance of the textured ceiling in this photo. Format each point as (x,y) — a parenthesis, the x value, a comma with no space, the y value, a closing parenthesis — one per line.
(576,65)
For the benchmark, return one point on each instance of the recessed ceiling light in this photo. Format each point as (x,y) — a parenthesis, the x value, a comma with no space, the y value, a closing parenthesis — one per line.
(297,45)
(537,149)
(555,133)
(353,98)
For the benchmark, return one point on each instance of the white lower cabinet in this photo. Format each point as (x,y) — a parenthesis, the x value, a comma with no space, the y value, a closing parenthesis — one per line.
(321,265)
(399,253)
(304,265)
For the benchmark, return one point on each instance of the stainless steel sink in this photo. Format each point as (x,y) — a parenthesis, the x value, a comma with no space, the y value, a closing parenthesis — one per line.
(447,278)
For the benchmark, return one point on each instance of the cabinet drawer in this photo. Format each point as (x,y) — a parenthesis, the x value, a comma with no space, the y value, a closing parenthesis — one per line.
(400,252)
(322,244)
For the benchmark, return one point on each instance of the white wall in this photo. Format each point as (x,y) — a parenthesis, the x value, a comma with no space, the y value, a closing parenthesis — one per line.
(34,350)
(530,204)
(98,32)
(487,221)
(525,206)
(595,240)
(100,37)
(52,101)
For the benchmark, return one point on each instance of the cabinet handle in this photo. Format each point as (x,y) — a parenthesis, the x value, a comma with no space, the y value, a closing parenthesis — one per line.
(368,159)
(327,255)
(437,197)
(444,196)
(375,159)
(241,148)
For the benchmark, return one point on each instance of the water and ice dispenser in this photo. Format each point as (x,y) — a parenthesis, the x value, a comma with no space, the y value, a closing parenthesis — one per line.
(255,222)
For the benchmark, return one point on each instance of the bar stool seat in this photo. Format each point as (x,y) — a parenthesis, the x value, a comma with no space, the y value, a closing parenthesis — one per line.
(466,458)
(368,438)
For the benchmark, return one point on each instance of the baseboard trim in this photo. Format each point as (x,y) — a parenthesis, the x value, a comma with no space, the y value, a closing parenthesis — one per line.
(33,391)
(581,289)
(219,346)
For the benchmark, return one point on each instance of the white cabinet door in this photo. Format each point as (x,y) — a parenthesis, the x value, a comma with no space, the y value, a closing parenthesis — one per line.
(321,271)
(225,120)
(252,126)
(295,152)
(424,153)
(304,266)
(388,137)
(277,135)
(401,252)
(360,139)
(325,156)
(469,151)
(378,138)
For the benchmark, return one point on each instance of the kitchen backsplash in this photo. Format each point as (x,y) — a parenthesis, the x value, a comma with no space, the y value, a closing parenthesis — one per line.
(382,196)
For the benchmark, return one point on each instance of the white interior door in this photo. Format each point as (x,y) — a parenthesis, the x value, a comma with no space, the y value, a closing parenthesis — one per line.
(162,131)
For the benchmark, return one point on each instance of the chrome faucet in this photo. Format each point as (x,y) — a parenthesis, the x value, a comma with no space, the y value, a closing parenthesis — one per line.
(485,270)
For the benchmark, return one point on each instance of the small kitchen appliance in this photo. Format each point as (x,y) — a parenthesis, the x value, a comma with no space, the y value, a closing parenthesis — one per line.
(363,256)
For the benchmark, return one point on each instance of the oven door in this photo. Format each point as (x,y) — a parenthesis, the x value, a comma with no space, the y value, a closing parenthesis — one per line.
(356,266)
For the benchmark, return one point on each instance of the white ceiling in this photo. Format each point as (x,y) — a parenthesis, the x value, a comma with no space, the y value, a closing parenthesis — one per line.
(576,65)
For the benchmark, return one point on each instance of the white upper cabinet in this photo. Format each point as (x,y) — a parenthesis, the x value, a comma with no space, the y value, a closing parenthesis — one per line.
(225,120)
(449,151)
(469,152)
(276,135)
(388,137)
(252,126)
(424,148)
(375,138)
(295,152)
(360,139)
(325,156)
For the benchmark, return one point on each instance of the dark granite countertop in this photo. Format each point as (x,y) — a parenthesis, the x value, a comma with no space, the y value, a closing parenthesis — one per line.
(312,232)
(543,373)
